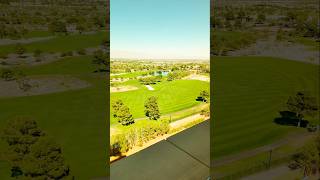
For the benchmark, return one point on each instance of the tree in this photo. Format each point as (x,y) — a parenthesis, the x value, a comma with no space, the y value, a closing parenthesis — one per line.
(205,95)
(8,74)
(80,26)
(307,159)
(151,108)
(45,161)
(20,134)
(261,18)
(302,104)
(20,50)
(58,27)
(116,106)
(124,116)
(30,153)
(101,59)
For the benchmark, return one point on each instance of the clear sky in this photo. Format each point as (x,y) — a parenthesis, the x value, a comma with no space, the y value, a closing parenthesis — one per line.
(160,29)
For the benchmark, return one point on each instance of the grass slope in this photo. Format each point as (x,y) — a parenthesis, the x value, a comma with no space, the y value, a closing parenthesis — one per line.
(249,93)
(172,96)
(75,119)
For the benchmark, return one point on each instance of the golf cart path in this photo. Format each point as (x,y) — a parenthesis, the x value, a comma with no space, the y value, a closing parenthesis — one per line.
(300,138)
(184,121)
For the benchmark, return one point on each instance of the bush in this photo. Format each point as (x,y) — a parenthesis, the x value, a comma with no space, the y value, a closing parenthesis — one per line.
(64,54)
(82,52)
(8,75)
(136,135)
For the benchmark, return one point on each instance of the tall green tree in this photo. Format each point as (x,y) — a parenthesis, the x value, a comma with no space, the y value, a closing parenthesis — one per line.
(116,105)
(124,116)
(20,50)
(302,104)
(101,60)
(151,108)
(30,153)
(205,95)
(307,159)
(45,161)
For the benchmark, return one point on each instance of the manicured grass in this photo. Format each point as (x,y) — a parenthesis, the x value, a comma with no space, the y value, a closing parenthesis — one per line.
(249,92)
(172,96)
(61,43)
(69,65)
(75,119)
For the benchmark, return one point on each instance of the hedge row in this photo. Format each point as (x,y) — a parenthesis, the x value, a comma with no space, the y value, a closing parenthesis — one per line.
(136,135)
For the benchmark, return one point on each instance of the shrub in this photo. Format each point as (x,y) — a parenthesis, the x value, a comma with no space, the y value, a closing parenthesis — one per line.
(136,135)
(82,52)
(8,75)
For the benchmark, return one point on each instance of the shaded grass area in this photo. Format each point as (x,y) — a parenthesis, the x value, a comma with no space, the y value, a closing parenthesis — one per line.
(249,93)
(61,43)
(172,96)
(75,119)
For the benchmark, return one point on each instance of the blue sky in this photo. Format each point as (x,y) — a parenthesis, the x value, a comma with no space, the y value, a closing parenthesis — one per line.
(160,29)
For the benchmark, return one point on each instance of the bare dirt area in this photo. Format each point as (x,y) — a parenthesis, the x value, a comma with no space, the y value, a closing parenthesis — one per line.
(37,85)
(24,41)
(272,48)
(197,77)
(29,59)
(122,88)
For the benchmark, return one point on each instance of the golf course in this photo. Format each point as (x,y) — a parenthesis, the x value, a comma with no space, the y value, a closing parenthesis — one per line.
(172,96)
(250,92)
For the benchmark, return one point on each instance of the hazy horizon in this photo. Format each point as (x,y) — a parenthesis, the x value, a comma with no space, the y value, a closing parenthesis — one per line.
(141,30)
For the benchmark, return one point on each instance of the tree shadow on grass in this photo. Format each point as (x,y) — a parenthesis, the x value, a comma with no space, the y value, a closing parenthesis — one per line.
(288,118)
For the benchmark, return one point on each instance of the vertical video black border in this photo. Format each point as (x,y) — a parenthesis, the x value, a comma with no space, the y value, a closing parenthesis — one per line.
(212,121)
(107,161)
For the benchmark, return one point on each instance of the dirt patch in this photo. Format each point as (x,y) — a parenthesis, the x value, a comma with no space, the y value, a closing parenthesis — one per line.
(122,88)
(198,77)
(37,85)
(24,41)
(30,60)
(272,48)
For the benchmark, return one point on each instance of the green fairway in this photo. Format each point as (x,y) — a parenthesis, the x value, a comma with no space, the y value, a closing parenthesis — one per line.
(172,96)
(75,119)
(249,92)
(61,43)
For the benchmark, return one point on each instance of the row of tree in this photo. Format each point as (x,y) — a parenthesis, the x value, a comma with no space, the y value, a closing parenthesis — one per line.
(31,153)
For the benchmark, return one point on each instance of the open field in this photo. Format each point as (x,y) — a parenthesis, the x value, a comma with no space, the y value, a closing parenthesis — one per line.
(67,116)
(249,93)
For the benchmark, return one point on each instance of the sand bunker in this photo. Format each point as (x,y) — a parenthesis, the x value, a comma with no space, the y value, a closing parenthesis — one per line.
(122,88)
(38,85)
(198,77)
(150,88)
